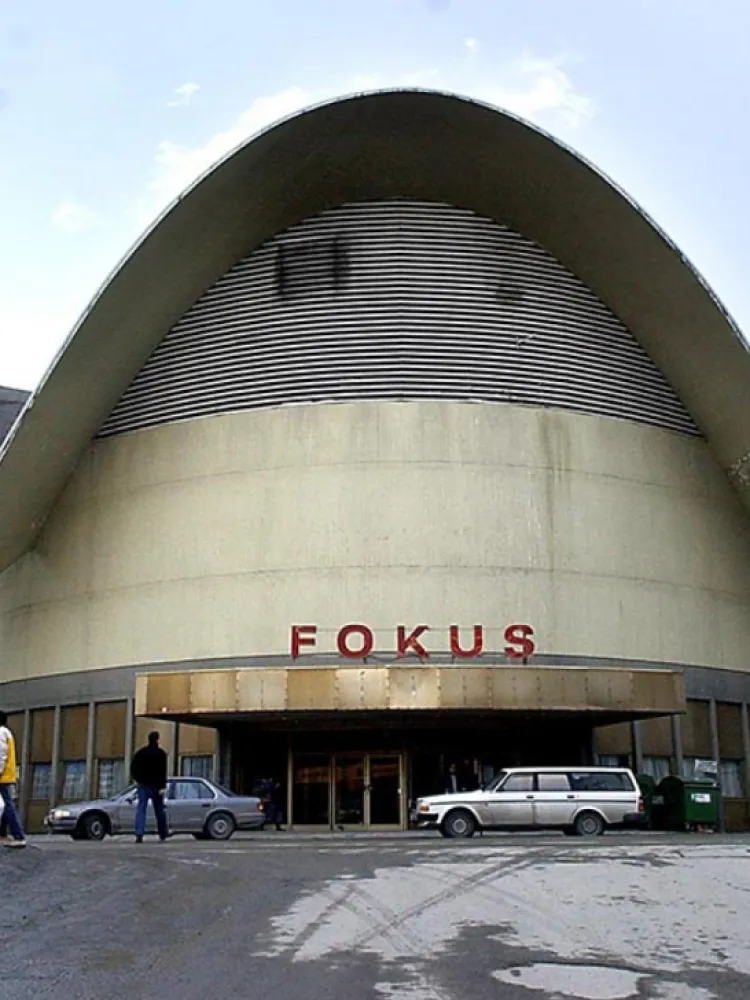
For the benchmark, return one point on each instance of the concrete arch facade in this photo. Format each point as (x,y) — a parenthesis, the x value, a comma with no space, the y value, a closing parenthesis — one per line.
(186,548)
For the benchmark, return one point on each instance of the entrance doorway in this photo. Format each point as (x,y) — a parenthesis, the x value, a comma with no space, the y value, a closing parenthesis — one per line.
(348,790)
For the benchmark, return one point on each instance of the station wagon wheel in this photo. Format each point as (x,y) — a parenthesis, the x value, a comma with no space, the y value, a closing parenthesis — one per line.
(94,826)
(220,826)
(459,823)
(589,824)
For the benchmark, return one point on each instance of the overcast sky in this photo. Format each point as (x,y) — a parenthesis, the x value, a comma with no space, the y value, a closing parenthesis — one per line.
(108,111)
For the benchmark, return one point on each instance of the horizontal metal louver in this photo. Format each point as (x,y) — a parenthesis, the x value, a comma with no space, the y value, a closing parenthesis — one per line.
(398,300)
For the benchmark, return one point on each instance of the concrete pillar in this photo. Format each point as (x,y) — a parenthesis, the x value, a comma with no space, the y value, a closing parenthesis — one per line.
(289,785)
(636,743)
(713,722)
(55,765)
(746,747)
(174,757)
(225,756)
(89,791)
(23,791)
(677,743)
(129,736)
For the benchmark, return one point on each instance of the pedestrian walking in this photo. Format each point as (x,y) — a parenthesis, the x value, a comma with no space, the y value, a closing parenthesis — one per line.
(8,779)
(149,772)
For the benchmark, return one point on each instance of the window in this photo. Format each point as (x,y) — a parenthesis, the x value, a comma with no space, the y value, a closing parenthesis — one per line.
(656,767)
(601,781)
(698,767)
(553,783)
(519,783)
(612,760)
(197,766)
(40,782)
(73,780)
(110,777)
(731,779)
(187,790)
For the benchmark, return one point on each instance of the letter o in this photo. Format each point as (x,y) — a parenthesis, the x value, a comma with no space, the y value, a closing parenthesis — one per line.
(342,641)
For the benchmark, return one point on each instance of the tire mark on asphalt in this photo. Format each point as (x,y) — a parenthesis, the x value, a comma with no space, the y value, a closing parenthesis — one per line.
(300,939)
(393,920)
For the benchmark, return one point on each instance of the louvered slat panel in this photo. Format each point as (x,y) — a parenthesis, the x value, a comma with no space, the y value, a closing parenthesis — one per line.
(398,300)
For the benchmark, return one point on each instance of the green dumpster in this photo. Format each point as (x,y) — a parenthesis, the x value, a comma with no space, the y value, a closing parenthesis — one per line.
(689,803)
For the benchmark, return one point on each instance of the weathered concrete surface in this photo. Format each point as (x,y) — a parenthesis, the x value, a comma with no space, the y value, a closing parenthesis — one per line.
(389,918)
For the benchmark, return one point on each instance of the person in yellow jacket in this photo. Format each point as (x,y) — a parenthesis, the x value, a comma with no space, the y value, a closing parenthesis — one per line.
(8,779)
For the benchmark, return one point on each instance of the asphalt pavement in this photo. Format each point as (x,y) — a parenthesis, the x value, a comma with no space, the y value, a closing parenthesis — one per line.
(394,917)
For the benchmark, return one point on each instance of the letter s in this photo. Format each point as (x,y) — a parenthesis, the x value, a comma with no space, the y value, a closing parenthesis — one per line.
(520,646)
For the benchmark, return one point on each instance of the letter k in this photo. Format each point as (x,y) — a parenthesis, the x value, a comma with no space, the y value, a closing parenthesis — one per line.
(411,641)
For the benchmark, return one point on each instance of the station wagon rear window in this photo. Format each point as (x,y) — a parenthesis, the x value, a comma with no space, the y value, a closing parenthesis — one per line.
(593,781)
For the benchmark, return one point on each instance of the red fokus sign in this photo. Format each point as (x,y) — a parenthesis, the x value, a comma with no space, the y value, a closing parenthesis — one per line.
(357,641)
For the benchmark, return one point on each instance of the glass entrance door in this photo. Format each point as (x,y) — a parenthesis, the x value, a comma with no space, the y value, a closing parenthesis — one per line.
(348,790)
(384,789)
(311,789)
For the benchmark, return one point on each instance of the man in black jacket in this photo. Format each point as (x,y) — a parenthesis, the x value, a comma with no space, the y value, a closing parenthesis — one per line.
(149,771)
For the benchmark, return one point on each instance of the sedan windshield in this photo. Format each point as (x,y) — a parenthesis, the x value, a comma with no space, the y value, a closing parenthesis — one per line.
(496,781)
(123,794)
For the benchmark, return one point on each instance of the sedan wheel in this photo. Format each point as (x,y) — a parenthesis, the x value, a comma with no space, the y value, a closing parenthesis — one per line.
(220,826)
(459,823)
(94,827)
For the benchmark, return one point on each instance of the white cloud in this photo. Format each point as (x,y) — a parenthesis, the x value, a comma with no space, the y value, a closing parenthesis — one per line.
(534,88)
(471,44)
(540,90)
(184,95)
(72,217)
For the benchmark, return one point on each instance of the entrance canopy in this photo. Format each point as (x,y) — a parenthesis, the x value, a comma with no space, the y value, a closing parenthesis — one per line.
(606,694)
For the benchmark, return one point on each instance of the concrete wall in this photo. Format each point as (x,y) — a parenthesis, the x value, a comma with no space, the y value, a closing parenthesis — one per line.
(209,538)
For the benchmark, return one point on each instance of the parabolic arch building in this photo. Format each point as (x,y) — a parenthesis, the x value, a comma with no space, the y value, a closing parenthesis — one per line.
(403,438)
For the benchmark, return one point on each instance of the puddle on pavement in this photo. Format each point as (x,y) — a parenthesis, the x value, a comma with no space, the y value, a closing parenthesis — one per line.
(579,982)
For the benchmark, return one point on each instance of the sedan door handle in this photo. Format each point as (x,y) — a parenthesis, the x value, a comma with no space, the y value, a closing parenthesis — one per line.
(570,796)
(529,796)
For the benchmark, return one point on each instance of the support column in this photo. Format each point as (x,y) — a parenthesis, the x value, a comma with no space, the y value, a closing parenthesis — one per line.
(23,792)
(129,736)
(175,755)
(90,733)
(289,784)
(636,743)
(677,743)
(225,756)
(713,723)
(746,747)
(55,764)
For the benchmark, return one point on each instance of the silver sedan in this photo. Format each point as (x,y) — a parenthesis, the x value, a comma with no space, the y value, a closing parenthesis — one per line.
(194,805)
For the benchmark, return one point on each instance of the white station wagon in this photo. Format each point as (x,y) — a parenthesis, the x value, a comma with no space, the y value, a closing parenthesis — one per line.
(576,800)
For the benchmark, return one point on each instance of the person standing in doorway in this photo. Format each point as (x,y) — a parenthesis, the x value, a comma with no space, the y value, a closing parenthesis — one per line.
(149,772)
(452,784)
(276,804)
(8,779)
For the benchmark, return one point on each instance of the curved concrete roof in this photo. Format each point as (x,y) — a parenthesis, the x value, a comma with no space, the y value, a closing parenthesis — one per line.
(414,143)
